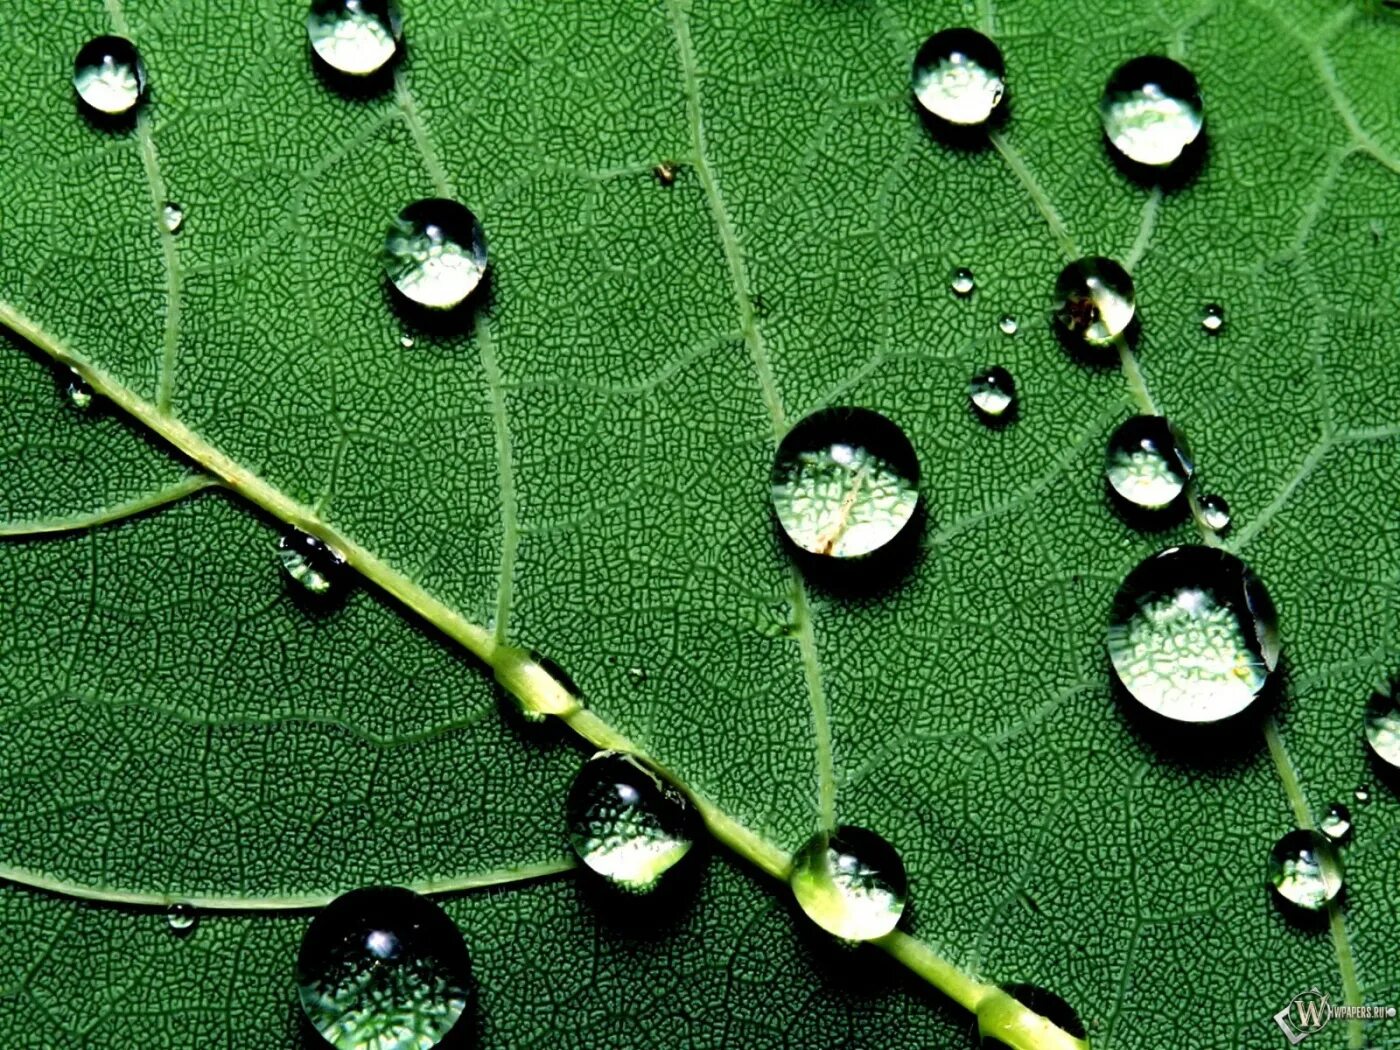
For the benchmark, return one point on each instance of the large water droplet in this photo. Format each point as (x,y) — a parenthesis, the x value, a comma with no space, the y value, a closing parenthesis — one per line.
(1008,325)
(1215,514)
(1305,870)
(172,217)
(1213,318)
(355,37)
(435,253)
(963,282)
(845,482)
(1094,300)
(1147,463)
(181,919)
(850,882)
(959,76)
(1336,822)
(993,393)
(1383,727)
(311,563)
(626,823)
(383,969)
(109,76)
(1193,635)
(1151,110)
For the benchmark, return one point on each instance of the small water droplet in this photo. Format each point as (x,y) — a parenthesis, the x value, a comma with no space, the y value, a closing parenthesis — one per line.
(665,173)
(1215,514)
(1304,870)
(181,919)
(993,392)
(1213,317)
(77,392)
(850,882)
(994,1017)
(355,37)
(172,217)
(1147,464)
(626,823)
(1094,300)
(383,968)
(312,564)
(1193,635)
(406,341)
(962,282)
(1336,822)
(109,76)
(435,253)
(1362,794)
(1008,325)
(959,76)
(845,482)
(1382,725)
(1151,110)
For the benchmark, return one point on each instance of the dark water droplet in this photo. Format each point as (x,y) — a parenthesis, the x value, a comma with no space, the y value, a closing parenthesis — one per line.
(959,77)
(109,76)
(1213,318)
(435,253)
(626,823)
(998,1027)
(845,483)
(851,883)
(992,393)
(1336,822)
(665,173)
(1151,110)
(1094,300)
(1215,514)
(1147,464)
(181,919)
(963,282)
(1305,870)
(312,564)
(172,217)
(1193,635)
(76,392)
(357,38)
(1382,724)
(383,969)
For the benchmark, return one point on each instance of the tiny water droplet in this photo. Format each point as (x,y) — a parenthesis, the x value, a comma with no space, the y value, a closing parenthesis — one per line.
(1213,317)
(1362,794)
(172,217)
(962,282)
(1215,513)
(77,392)
(993,392)
(355,37)
(845,482)
(1147,464)
(406,341)
(1151,110)
(993,1016)
(850,882)
(959,76)
(1382,725)
(181,919)
(435,253)
(1336,822)
(1193,635)
(311,564)
(1008,325)
(383,968)
(1305,870)
(109,76)
(1094,300)
(626,823)
(665,173)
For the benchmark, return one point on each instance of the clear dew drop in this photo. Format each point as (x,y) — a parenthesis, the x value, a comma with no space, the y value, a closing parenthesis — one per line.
(435,253)
(109,76)
(1151,110)
(850,882)
(312,564)
(76,392)
(1213,317)
(845,483)
(355,37)
(992,393)
(1147,463)
(1008,325)
(626,823)
(1193,635)
(963,282)
(172,217)
(383,969)
(1305,870)
(1362,794)
(406,341)
(1215,514)
(1094,300)
(1382,726)
(1336,822)
(181,920)
(959,77)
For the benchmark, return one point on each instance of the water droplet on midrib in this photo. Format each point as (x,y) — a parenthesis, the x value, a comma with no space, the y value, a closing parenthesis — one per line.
(357,38)
(435,253)
(1151,110)
(109,76)
(76,392)
(850,882)
(959,77)
(1305,870)
(626,823)
(1147,463)
(172,217)
(1094,300)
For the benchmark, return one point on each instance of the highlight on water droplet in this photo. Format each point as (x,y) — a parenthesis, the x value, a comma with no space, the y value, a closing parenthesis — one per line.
(1094,300)
(1147,463)
(76,391)
(1215,513)
(850,882)
(172,217)
(406,341)
(1008,325)
(1305,870)
(1362,794)
(845,483)
(1382,727)
(1213,317)
(1336,822)
(626,823)
(435,253)
(109,76)
(356,38)
(383,969)
(962,282)
(959,77)
(1193,635)
(1151,110)
(992,393)
(312,564)
(181,920)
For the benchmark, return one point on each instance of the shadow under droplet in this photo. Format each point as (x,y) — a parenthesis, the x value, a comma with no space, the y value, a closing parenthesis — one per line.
(872,575)
(109,123)
(964,138)
(356,88)
(442,324)
(658,913)
(1170,178)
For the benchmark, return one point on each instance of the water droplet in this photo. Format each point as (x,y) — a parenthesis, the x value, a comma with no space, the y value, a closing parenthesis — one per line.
(665,173)
(993,392)
(1336,822)
(1304,869)
(1008,325)
(962,282)
(1151,110)
(998,1022)
(1148,465)
(1094,300)
(845,482)
(1213,317)
(638,676)
(181,919)
(355,37)
(959,76)
(172,217)
(311,563)
(626,823)
(1383,727)
(435,253)
(383,969)
(1215,513)
(850,882)
(1193,635)
(109,76)
(406,341)
(77,392)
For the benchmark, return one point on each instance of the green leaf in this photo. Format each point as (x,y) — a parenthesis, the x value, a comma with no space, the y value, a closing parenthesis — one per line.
(585,474)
